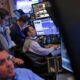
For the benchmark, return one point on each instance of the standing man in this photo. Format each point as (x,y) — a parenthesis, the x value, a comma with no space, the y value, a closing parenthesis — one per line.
(5,39)
(16,31)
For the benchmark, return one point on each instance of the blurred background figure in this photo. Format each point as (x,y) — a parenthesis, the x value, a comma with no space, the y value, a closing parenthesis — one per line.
(5,39)
(16,31)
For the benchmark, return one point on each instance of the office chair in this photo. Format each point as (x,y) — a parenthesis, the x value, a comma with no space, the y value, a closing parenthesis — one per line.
(45,67)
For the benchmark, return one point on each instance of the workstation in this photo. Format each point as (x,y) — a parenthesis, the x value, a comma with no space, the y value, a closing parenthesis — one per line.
(53,62)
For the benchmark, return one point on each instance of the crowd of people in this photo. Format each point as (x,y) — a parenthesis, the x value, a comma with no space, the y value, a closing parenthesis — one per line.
(26,40)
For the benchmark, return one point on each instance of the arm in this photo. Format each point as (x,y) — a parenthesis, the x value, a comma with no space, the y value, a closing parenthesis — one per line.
(36,48)
(3,42)
(16,60)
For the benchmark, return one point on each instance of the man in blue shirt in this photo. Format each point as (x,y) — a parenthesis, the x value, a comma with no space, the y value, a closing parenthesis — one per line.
(5,39)
(9,72)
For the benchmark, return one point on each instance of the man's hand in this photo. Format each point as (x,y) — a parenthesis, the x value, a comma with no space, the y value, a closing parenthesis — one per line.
(17,61)
(55,46)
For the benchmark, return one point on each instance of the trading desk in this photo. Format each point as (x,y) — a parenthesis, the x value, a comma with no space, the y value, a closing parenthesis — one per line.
(49,39)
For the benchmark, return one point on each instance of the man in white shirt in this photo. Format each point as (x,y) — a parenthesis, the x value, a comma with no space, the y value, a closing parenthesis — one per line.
(32,45)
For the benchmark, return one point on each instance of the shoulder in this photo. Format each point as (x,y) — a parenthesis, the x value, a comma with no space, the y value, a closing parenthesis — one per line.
(27,41)
(34,42)
(15,26)
(26,74)
(23,72)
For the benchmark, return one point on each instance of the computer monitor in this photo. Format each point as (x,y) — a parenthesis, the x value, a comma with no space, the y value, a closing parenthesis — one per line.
(45,27)
(66,64)
(67,15)
(39,10)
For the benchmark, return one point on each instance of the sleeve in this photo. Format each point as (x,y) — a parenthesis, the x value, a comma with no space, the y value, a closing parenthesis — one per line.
(3,42)
(1,29)
(56,52)
(10,42)
(26,74)
(36,48)
(32,75)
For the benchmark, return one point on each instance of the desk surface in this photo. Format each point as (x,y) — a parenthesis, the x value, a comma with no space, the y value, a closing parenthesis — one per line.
(52,45)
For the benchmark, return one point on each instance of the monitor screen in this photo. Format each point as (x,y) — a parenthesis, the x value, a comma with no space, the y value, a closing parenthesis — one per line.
(25,5)
(40,10)
(65,59)
(45,27)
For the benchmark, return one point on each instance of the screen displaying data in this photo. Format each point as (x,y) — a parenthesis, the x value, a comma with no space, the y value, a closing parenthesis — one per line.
(40,10)
(66,64)
(45,27)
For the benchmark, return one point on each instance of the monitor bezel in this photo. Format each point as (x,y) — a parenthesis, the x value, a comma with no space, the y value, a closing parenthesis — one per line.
(42,19)
(34,11)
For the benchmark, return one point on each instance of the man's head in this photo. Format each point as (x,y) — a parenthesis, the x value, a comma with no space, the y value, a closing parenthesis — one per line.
(22,20)
(6,65)
(29,31)
(4,15)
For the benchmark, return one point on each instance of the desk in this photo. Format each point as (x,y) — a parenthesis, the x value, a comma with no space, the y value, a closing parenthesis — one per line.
(54,64)
(51,45)
(49,76)
(53,68)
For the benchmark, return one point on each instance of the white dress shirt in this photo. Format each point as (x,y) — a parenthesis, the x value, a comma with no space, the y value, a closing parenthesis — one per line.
(33,46)
(36,48)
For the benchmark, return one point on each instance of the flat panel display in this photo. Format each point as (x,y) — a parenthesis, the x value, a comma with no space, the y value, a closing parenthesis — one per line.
(40,10)
(66,64)
(45,27)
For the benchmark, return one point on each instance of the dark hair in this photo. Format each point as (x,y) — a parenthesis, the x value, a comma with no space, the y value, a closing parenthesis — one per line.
(21,12)
(3,13)
(26,30)
(23,18)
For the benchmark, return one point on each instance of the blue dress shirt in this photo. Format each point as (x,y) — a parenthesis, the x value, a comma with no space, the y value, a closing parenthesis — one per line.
(26,74)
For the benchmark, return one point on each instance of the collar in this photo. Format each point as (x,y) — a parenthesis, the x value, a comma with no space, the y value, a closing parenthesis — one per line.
(33,38)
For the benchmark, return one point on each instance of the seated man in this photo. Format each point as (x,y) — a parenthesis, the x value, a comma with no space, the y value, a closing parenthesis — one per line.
(8,72)
(32,45)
